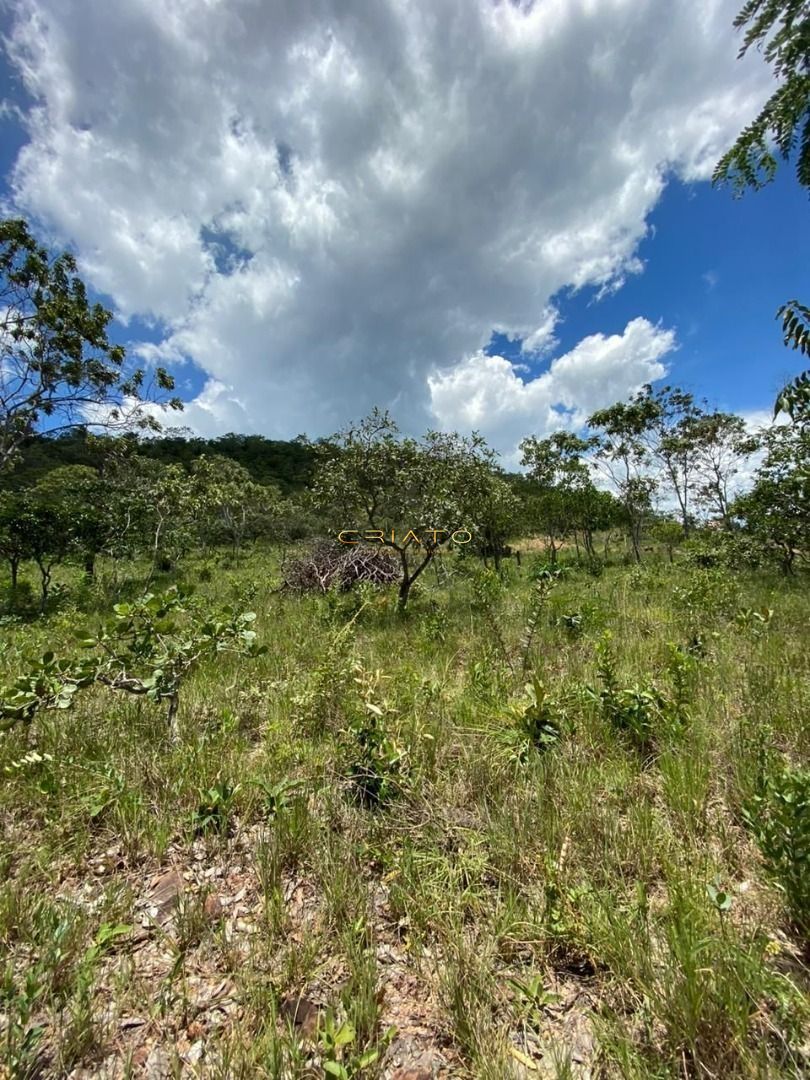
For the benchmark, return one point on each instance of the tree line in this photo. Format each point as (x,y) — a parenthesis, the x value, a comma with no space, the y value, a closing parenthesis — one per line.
(658,467)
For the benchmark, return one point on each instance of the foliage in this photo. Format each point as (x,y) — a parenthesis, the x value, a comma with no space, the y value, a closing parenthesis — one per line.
(376,765)
(622,451)
(539,718)
(49,684)
(544,583)
(777,508)
(214,808)
(780,29)
(148,648)
(420,491)
(779,816)
(57,360)
(642,712)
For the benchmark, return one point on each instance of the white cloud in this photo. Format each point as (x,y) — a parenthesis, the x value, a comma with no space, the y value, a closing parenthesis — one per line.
(487,393)
(323,203)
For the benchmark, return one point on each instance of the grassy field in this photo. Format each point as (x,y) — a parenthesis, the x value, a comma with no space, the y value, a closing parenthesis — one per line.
(531,827)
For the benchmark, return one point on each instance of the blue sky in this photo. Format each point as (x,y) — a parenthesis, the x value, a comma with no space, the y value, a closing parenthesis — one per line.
(307,211)
(717,269)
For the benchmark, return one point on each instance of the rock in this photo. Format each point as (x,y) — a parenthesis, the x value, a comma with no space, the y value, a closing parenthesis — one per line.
(158,1066)
(302,1013)
(166,892)
(213,908)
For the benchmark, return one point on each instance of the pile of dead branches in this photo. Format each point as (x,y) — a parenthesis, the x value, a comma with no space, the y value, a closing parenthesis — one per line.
(329,565)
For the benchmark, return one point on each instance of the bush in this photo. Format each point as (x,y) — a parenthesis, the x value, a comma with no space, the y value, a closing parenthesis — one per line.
(779,816)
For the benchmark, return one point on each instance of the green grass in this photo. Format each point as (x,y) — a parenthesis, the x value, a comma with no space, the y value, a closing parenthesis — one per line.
(622,897)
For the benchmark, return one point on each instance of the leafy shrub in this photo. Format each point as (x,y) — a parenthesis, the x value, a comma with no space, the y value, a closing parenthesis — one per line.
(707,592)
(214,809)
(539,718)
(756,622)
(541,569)
(544,583)
(721,549)
(778,814)
(590,615)
(642,711)
(434,623)
(147,648)
(376,759)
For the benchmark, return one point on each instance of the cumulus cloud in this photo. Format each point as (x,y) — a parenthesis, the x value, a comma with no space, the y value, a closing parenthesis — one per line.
(328,204)
(487,393)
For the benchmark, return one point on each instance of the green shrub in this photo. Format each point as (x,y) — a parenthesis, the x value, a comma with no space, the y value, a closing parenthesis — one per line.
(778,814)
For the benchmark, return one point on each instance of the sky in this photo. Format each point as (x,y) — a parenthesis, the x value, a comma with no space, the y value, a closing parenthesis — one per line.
(479,214)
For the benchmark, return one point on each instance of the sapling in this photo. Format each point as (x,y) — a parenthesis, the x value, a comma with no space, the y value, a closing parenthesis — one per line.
(151,645)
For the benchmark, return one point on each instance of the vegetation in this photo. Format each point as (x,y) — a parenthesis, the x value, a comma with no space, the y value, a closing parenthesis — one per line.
(296,786)
(280,806)
(543,819)
(56,362)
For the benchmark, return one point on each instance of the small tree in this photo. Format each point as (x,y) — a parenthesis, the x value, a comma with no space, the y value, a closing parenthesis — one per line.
(412,493)
(498,515)
(232,507)
(560,476)
(721,444)
(777,509)
(14,535)
(672,417)
(42,529)
(56,360)
(78,495)
(151,507)
(625,458)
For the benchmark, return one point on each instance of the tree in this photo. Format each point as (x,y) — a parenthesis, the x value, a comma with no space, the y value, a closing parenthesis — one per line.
(56,360)
(783,28)
(669,533)
(624,456)
(721,443)
(34,526)
(669,435)
(232,506)
(497,517)
(560,474)
(595,510)
(14,535)
(776,510)
(411,494)
(78,495)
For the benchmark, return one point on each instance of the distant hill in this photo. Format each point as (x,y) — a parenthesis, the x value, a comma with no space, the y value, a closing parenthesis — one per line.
(286,463)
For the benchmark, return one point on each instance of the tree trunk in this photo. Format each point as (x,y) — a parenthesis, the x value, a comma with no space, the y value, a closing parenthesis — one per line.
(404,592)
(45,575)
(90,564)
(635,539)
(172,718)
(408,579)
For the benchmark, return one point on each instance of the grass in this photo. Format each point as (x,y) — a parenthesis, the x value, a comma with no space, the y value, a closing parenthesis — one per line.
(447,842)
